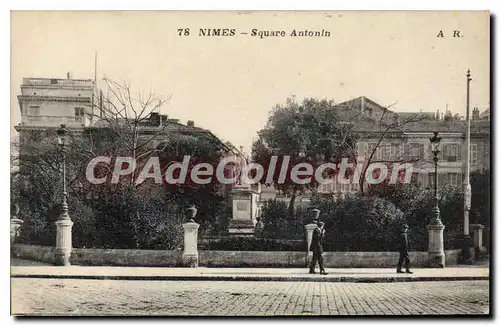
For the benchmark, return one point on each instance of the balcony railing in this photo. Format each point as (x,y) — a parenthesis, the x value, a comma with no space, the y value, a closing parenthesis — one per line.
(56,81)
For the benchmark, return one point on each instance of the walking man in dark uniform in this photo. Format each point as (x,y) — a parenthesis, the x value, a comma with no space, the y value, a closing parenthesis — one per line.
(403,251)
(317,249)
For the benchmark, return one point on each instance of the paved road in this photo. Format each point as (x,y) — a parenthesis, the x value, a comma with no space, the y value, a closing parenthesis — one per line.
(98,297)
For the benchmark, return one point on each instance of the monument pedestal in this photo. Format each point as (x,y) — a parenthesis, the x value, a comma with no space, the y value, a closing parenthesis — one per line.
(245,210)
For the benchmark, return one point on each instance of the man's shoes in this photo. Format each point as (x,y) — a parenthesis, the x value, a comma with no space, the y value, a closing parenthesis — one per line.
(323,273)
(399,271)
(409,272)
(312,272)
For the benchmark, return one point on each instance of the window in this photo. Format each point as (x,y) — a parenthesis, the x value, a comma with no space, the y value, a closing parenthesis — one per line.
(473,154)
(454,179)
(387,155)
(415,178)
(344,188)
(79,114)
(395,151)
(378,153)
(371,148)
(34,110)
(452,152)
(416,151)
(444,179)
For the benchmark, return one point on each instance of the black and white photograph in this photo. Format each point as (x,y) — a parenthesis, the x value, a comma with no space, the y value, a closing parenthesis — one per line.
(250,163)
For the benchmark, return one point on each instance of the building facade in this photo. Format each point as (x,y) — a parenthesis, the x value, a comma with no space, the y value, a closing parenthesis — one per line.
(409,142)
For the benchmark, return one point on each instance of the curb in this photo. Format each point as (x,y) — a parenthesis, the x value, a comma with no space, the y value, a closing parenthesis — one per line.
(340,279)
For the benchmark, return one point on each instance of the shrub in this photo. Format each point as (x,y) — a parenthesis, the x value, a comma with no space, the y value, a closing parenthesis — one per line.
(254,244)
(277,222)
(358,223)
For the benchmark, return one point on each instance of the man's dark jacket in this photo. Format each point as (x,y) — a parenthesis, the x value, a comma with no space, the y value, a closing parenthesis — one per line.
(404,246)
(317,241)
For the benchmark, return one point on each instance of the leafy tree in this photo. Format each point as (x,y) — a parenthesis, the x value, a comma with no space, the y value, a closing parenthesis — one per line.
(307,132)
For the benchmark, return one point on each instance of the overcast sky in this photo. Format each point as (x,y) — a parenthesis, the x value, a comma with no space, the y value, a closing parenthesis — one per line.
(229,84)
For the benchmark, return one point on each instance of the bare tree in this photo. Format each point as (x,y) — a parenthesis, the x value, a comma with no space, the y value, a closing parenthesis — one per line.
(377,131)
(127,114)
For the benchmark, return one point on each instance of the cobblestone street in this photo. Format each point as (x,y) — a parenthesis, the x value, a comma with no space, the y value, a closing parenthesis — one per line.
(99,297)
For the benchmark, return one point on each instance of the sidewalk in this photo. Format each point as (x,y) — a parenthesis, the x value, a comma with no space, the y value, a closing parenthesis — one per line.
(359,275)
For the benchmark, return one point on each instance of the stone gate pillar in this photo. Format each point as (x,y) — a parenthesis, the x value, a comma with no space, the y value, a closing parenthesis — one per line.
(436,254)
(314,215)
(15,225)
(64,245)
(309,232)
(477,238)
(190,253)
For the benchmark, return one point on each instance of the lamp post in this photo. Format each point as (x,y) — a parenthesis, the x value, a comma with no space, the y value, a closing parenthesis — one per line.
(436,227)
(64,224)
(467,247)
(467,187)
(435,142)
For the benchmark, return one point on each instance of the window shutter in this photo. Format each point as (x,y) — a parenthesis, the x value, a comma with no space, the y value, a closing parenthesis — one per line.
(459,152)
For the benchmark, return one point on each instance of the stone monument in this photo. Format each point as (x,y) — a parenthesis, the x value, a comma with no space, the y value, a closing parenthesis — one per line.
(244,207)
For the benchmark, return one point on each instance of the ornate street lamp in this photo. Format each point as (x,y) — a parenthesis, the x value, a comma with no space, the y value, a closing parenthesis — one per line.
(436,257)
(64,224)
(62,134)
(435,142)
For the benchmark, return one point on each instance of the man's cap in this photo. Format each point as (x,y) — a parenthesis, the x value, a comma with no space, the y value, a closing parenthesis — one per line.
(321,223)
(404,226)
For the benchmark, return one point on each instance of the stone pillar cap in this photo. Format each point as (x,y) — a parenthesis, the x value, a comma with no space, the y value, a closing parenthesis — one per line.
(435,227)
(190,225)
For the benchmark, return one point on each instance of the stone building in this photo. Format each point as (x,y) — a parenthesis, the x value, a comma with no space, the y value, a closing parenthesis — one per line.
(46,103)
(410,143)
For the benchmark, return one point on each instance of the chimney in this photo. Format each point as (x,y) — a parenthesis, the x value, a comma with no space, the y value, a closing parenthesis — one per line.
(190,123)
(155,119)
(68,75)
(475,114)
(437,114)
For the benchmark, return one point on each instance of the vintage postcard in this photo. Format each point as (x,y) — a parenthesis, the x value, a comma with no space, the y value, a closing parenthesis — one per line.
(257,163)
